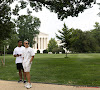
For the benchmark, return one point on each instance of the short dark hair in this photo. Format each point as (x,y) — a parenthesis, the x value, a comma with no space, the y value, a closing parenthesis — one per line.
(19,41)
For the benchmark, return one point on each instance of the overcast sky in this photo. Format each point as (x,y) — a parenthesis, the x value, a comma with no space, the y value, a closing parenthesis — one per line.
(50,23)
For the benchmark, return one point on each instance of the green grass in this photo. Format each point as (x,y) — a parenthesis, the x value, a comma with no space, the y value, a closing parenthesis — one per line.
(77,69)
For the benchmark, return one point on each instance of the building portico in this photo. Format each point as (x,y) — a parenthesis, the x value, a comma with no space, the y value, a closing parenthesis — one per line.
(41,42)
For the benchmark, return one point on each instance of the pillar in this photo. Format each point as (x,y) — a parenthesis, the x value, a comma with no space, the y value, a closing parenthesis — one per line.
(38,43)
(35,46)
(43,43)
(46,42)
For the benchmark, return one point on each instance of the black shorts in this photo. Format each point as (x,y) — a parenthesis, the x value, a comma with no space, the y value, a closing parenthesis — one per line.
(19,66)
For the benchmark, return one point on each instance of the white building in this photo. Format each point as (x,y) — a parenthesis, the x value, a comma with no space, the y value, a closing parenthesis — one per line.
(41,42)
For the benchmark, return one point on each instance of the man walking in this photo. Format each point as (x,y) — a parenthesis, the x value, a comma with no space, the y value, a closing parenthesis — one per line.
(18,54)
(28,56)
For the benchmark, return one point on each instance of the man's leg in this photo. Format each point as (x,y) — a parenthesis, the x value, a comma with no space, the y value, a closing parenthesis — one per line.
(24,74)
(20,74)
(28,76)
(27,70)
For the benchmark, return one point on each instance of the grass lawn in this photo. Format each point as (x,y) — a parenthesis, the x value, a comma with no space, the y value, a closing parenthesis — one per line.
(77,69)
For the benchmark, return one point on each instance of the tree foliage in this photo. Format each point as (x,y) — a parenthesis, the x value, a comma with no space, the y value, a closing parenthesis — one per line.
(12,43)
(27,27)
(45,51)
(52,44)
(96,32)
(63,8)
(76,40)
(6,25)
(65,36)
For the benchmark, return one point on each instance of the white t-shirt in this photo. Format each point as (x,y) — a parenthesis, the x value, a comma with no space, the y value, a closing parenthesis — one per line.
(18,50)
(27,54)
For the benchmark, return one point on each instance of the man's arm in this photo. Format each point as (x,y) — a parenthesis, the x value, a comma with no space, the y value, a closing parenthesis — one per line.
(31,59)
(15,54)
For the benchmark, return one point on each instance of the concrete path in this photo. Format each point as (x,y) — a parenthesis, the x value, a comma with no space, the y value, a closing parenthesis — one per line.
(12,85)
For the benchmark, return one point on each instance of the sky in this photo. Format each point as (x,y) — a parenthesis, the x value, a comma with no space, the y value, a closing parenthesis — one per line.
(50,24)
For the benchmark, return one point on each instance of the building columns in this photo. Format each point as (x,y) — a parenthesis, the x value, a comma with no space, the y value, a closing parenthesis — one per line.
(41,43)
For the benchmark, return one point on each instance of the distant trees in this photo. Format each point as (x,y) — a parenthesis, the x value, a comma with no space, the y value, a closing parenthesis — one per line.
(96,32)
(38,51)
(80,41)
(45,51)
(77,36)
(52,44)
(53,47)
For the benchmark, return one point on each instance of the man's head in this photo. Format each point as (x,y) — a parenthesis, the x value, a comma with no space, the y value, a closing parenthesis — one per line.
(26,44)
(19,43)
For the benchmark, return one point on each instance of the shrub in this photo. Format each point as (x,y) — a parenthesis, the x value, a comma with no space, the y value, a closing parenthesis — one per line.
(38,51)
(45,51)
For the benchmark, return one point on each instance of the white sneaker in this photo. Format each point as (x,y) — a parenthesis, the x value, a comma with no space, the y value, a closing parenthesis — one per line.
(25,85)
(28,85)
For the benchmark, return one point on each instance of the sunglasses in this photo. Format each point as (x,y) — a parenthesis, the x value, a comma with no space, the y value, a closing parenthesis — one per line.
(26,43)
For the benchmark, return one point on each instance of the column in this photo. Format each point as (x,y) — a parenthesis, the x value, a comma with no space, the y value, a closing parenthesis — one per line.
(43,43)
(46,42)
(38,43)
(35,43)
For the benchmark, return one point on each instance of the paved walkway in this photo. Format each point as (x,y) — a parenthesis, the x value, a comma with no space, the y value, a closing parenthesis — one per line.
(12,85)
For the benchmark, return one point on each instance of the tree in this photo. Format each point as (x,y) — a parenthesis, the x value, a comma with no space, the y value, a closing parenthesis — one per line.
(63,8)
(65,36)
(55,50)
(4,43)
(99,9)
(82,42)
(52,44)
(77,41)
(6,25)
(61,49)
(38,51)
(27,27)
(12,43)
(96,32)
(90,43)
(45,51)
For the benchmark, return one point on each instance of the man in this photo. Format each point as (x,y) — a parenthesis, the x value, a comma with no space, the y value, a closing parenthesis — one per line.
(28,56)
(18,54)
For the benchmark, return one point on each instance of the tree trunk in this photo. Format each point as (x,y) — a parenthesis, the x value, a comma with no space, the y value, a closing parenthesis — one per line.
(66,54)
